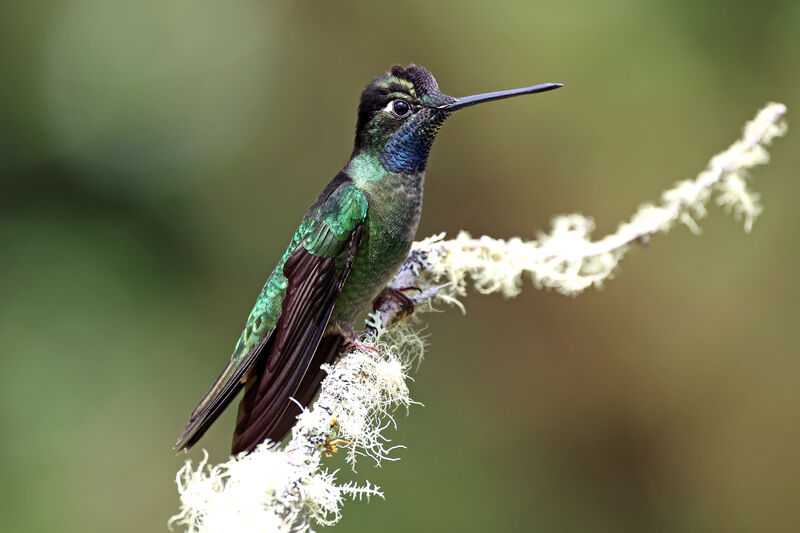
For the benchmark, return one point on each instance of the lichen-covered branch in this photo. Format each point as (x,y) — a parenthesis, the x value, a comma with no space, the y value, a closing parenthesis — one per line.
(288,489)
(568,260)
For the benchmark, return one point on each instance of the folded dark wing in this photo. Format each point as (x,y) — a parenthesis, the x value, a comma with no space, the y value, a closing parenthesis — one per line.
(224,389)
(277,346)
(316,271)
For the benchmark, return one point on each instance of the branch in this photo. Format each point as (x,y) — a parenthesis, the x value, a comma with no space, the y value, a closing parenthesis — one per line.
(287,490)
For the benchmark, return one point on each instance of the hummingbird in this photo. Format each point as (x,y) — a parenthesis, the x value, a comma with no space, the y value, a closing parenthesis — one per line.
(348,247)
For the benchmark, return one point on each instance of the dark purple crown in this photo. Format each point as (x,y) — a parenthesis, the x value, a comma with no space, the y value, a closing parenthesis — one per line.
(423,81)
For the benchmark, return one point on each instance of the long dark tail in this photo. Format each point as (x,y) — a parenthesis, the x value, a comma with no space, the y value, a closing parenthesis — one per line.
(326,351)
(329,347)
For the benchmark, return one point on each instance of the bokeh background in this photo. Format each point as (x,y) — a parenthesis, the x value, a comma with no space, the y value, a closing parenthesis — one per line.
(156,156)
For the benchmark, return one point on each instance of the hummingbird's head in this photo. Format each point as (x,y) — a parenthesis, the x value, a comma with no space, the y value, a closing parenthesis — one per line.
(401,113)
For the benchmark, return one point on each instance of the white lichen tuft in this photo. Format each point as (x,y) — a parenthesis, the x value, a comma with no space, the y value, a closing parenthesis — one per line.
(286,489)
(735,196)
(274,489)
(370,387)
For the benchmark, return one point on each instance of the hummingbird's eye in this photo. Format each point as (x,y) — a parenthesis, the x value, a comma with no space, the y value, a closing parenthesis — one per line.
(400,108)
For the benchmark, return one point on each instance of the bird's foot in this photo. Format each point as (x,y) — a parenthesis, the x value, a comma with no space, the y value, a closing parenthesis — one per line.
(398,295)
(354,342)
(360,346)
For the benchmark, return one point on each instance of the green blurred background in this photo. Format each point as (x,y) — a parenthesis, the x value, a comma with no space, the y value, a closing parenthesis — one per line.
(155,157)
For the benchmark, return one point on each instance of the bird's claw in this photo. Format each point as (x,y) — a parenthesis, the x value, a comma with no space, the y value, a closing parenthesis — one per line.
(406,303)
(360,346)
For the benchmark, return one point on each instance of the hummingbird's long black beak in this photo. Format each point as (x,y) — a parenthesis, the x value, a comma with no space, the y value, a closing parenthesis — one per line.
(467,101)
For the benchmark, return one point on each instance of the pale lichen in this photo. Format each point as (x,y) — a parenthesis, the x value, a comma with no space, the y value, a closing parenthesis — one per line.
(568,260)
(286,489)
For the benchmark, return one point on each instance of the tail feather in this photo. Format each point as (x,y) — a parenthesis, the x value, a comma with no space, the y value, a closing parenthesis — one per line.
(328,348)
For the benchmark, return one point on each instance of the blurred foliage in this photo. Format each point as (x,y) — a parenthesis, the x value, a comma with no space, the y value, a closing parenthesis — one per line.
(156,156)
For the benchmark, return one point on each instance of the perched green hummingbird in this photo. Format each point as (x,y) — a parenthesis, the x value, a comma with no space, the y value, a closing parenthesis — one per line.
(348,247)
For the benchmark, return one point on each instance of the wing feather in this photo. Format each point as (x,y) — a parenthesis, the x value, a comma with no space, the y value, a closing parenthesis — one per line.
(314,283)
(273,356)
(225,388)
